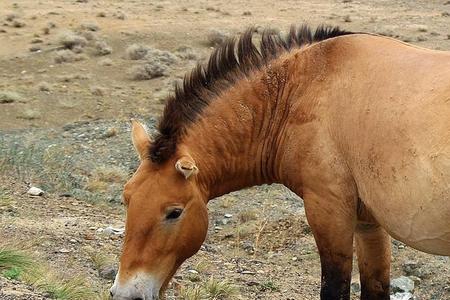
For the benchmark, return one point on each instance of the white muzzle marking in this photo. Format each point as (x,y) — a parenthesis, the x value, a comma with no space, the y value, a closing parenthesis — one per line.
(140,286)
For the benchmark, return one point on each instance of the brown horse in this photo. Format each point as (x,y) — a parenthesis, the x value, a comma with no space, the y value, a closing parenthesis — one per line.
(358,125)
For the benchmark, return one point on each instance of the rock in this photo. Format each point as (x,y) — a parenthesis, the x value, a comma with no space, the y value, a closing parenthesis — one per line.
(412,268)
(108,272)
(34,191)
(35,48)
(64,250)
(228,216)
(402,284)
(402,296)
(112,230)
(36,40)
(355,287)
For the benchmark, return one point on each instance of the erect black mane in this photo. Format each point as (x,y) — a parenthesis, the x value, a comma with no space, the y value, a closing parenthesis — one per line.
(228,63)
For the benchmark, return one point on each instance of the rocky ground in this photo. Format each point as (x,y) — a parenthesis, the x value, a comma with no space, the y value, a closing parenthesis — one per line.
(71,75)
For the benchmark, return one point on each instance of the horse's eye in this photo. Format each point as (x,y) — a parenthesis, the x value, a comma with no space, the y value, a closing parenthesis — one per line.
(174,214)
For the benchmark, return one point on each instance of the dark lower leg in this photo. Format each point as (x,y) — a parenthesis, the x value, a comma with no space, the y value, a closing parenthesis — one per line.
(374,258)
(336,276)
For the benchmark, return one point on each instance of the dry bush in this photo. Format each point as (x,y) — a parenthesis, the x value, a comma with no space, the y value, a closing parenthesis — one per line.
(29,114)
(18,23)
(216,37)
(185,52)
(136,52)
(9,97)
(147,71)
(103,177)
(65,56)
(89,26)
(119,15)
(160,56)
(70,40)
(97,90)
(106,62)
(11,17)
(44,86)
(102,48)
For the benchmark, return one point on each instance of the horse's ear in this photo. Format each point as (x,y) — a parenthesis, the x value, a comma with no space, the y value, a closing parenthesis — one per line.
(141,139)
(186,166)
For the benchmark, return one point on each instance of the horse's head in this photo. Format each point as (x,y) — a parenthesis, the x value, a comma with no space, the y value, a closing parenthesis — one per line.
(166,222)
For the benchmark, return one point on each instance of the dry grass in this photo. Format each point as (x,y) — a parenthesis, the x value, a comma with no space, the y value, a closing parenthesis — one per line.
(192,293)
(248,215)
(19,265)
(98,259)
(210,290)
(219,289)
(103,177)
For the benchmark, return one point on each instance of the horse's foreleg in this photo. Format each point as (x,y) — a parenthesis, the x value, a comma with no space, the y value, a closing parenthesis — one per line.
(373,249)
(333,226)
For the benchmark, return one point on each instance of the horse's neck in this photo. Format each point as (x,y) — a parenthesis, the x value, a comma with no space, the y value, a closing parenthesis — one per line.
(241,138)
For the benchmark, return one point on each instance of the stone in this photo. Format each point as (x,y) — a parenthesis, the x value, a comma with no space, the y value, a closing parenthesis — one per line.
(402,296)
(402,284)
(34,191)
(108,272)
(111,230)
(355,287)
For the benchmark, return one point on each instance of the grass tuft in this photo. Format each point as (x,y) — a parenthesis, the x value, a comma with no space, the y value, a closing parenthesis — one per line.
(18,265)
(219,289)
(9,97)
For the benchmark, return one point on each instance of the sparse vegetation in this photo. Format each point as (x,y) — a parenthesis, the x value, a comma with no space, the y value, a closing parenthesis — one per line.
(18,265)
(70,40)
(220,289)
(147,71)
(44,86)
(212,289)
(216,37)
(136,52)
(14,261)
(66,56)
(193,293)
(102,48)
(248,215)
(9,97)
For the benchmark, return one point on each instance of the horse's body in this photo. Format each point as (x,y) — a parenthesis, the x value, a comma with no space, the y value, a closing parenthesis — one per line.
(399,151)
(357,125)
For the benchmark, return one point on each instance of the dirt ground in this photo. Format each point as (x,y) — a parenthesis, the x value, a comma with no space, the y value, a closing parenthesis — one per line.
(68,86)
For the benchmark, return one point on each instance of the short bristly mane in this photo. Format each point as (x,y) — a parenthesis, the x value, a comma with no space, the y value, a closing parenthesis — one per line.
(233,60)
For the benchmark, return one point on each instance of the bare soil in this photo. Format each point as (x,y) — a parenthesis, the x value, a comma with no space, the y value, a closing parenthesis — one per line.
(68,121)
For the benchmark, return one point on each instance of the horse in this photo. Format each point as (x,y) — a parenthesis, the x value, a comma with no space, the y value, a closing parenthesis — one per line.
(356,124)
